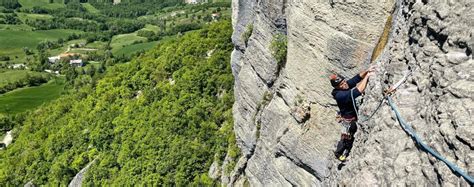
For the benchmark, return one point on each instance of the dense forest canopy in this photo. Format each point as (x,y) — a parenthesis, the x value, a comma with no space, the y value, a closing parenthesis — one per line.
(160,119)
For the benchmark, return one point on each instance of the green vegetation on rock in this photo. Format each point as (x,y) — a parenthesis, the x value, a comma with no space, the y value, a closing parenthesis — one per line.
(278,48)
(248,32)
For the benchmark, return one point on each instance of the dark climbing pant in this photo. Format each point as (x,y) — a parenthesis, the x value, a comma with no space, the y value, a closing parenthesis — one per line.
(344,146)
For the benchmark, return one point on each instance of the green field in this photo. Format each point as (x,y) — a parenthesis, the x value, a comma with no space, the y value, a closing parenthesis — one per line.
(64,48)
(24,16)
(178,16)
(90,8)
(24,99)
(96,45)
(122,40)
(15,27)
(96,65)
(149,27)
(14,75)
(41,3)
(13,40)
(128,50)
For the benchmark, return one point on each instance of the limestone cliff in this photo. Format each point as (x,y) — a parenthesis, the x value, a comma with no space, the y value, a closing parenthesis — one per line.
(284,113)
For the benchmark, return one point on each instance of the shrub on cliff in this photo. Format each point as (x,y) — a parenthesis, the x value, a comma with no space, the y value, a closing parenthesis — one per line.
(278,47)
(248,32)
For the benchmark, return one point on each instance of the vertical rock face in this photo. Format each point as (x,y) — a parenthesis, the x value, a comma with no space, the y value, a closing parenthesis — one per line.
(284,113)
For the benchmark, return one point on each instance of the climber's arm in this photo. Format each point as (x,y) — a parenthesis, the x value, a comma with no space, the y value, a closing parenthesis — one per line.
(363,84)
(364,73)
(344,96)
(354,80)
(359,77)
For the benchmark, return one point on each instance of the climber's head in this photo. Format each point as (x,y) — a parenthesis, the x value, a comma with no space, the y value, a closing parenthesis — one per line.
(338,82)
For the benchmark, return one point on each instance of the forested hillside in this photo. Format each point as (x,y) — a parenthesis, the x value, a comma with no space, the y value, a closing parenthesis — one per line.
(160,119)
(94,31)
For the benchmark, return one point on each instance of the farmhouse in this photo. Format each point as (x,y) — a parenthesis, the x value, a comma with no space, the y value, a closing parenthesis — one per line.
(51,71)
(17,66)
(216,16)
(77,63)
(54,59)
(195,1)
(64,55)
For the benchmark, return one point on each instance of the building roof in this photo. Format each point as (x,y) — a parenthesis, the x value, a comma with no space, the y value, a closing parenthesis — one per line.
(78,61)
(68,54)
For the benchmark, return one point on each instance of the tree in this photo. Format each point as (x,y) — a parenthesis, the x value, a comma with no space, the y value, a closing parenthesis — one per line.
(91,71)
(6,123)
(146,33)
(12,19)
(10,4)
(71,74)
(27,51)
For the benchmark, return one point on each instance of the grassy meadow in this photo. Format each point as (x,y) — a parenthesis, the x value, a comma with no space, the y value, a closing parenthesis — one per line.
(28,16)
(24,99)
(41,3)
(122,40)
(130,49)
(90,8)
(15,27)
(13,41)
(9,76)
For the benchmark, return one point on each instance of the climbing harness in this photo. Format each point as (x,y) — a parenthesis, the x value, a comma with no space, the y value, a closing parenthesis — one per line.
(407,128)
(345,128)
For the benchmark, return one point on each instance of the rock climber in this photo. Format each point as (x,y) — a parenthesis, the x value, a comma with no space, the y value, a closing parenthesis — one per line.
(348,115)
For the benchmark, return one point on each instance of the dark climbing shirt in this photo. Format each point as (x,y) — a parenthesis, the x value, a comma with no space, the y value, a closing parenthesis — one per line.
(344,99)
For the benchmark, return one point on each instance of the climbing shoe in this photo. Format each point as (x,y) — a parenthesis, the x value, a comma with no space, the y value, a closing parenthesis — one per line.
(342,158)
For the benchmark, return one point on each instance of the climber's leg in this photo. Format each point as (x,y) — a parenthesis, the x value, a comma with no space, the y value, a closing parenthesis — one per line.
(342,145)
(339,149)
(350,140)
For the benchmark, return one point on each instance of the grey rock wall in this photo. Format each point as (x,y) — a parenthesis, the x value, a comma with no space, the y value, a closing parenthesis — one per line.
(285,116)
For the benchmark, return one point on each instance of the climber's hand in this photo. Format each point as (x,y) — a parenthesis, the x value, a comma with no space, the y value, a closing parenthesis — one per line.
(389,91)
(371,68)
(371,73)
(365,73)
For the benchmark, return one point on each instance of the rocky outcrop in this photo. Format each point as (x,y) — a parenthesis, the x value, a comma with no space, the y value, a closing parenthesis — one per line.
(285,116)
(78,179)
(7,140)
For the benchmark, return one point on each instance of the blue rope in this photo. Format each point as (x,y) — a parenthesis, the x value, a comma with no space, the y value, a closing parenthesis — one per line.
(425,147)
(353,103)
(407,128)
